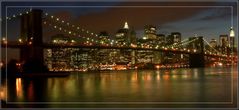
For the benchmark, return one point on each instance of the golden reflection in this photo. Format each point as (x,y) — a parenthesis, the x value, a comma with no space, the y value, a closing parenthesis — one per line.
(158,77)
(174,71)
(3,91)
(195,71)
(55,88)
(134,77)
(166,77)
(196,75)
(19,91)
(70,86)
(185,76)
(148,77)
(174,76)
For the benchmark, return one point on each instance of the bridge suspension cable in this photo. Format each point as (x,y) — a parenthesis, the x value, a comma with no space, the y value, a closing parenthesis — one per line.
(14,16)
(75,27)
(182,43)
(211,46)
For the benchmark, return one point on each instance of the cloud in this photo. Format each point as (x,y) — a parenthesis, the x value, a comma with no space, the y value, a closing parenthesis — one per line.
(150,13)
(219,13)
(223,11)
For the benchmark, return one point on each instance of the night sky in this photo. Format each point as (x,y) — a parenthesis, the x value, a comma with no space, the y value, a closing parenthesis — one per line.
(208,19)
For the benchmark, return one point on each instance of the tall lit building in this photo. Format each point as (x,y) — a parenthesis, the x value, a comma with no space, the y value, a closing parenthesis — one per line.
(161,39)
(173,38)
(213,43)
(169,40)
(150,32)
(69,59)
(104,38)
(223,40)
(125,36)
(176,37)
(232,39)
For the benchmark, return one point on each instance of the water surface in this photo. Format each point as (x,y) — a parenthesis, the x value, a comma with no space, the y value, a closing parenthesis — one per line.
(200,87)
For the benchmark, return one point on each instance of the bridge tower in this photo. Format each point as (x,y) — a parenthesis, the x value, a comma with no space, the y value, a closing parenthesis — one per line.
(197,60)
(31,33)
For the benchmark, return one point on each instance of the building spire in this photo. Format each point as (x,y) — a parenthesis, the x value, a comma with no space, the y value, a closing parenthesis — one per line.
(126,25)
(232,33)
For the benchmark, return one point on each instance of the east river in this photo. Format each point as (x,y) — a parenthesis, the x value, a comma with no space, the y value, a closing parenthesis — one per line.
(166,88)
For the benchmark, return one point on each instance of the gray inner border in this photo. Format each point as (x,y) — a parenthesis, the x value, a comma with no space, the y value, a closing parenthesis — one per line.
(137,1)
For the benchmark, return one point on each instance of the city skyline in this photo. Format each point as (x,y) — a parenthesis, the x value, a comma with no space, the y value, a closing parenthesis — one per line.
(208,19)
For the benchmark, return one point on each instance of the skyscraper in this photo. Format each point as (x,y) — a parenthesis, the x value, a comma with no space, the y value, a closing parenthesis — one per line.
(150,32)
(104,38)
(213,43)
(160,39)
(223,40)
(176,37)
(125,36)
(232,40)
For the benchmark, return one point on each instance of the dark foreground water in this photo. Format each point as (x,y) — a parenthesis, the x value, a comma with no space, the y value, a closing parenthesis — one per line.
(193,88)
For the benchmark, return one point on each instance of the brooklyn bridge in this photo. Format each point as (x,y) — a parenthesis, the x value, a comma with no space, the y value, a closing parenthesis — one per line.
(78,49)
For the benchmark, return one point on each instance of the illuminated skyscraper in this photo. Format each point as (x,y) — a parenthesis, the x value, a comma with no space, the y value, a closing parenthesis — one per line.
(232,38)
(176,37)
(103,38)
(223,40)
(213,43)
(125,36)
(150,32)
(160,39)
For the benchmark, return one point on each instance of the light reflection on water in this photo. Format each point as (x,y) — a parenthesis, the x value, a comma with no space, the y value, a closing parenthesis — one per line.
(176,85)
(19,89)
